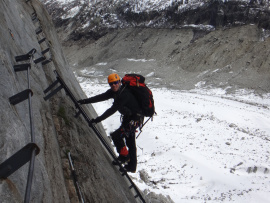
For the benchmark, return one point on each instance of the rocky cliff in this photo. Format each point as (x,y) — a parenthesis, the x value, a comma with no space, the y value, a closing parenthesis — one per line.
(55,128)
(93,19)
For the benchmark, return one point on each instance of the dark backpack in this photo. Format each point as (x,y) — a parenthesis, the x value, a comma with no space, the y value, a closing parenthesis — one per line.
(142,93)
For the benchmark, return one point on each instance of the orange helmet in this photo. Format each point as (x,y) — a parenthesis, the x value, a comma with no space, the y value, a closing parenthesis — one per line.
(113,77)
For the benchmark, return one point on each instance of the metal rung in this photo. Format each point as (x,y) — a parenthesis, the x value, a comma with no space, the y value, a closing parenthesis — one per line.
(42,58)
(42,40)
(25,56)
(35,20)
(45,51)
(130,187)
(21,67)
(17,160)
(47,61)
(34,13)
(53,92)
(22,57)
(51,86)
(77,114)
(136,196)
(34,16)
(17,98)
(32,52)
(38,30)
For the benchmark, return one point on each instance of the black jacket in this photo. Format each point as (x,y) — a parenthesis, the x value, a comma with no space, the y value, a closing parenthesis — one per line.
(124,102)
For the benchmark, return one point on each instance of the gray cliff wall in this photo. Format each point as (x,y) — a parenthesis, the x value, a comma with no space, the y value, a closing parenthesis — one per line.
(56,130)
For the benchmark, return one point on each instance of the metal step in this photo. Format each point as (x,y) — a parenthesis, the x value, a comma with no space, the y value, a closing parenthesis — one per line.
(17,160)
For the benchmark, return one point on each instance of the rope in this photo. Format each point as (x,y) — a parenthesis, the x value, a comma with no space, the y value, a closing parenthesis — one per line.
(32,160)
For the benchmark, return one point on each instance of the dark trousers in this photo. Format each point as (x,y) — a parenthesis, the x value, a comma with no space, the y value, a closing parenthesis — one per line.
(125,136)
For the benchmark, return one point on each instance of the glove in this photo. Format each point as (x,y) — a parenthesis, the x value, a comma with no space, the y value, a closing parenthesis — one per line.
(96,120)
(82,101)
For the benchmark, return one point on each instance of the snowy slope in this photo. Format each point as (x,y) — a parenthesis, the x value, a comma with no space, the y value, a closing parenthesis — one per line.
(203,146)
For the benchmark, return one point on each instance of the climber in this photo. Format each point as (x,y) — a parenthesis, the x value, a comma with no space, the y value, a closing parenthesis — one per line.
(124,137)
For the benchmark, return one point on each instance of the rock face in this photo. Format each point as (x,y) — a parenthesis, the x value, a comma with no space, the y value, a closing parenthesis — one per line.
(56,129)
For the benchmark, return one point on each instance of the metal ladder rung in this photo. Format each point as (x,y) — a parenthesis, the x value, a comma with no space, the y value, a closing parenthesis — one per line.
(53,92)
(25,57)
(38,30)
(21,67)
(45,51)
(77,114)
(34,16)
(46,62)
(40,59)
(17,160)
(22,57)
(17,98)
(42,40)
(51,86)
(35,20)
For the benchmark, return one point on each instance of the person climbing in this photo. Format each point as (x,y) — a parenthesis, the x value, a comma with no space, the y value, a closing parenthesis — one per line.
(124,137)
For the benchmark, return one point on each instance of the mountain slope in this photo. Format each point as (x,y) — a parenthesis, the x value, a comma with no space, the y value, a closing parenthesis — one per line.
(230,59)
(185,43)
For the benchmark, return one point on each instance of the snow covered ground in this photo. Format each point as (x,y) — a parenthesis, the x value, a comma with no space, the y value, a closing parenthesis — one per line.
(203,145)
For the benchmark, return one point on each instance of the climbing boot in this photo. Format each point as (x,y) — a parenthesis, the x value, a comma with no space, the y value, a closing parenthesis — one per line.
(123,159)
(128,168)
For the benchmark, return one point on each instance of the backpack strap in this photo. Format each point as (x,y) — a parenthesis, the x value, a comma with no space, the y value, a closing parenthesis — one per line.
(121,90)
